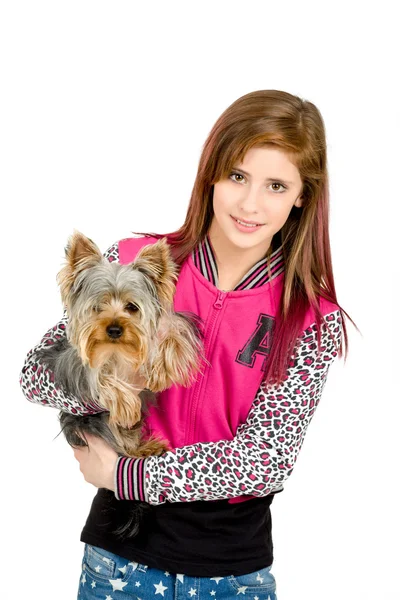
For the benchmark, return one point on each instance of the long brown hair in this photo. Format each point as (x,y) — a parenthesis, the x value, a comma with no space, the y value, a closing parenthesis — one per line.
(276,119)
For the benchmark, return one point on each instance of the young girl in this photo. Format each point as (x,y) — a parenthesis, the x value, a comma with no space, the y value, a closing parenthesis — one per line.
(255,266)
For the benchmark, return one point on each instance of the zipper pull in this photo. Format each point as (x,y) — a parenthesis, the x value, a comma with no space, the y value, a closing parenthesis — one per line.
(219,301)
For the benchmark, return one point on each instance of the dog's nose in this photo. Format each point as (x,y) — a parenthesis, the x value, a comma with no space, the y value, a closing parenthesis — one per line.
(114,331)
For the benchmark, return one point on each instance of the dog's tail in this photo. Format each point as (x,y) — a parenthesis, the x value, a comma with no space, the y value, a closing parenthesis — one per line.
(129,513)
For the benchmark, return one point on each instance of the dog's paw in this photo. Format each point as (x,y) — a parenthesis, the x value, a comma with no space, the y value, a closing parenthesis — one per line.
(153,446)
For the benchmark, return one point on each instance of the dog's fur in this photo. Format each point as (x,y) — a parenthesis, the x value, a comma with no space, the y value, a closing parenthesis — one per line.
(124,343)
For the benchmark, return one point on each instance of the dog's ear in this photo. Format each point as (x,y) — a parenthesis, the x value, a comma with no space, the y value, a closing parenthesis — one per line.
(178,355)
(81,253)
(155,261)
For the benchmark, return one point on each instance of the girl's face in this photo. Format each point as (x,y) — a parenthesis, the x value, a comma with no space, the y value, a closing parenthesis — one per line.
(262,189)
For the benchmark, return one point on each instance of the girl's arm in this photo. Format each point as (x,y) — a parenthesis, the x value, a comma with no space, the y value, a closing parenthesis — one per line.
(262,454)
(37,381)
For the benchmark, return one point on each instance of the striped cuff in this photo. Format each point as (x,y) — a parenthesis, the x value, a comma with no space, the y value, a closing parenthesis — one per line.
(129,479)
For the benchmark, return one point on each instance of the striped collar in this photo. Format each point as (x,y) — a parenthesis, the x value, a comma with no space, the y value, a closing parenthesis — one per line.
(204,259)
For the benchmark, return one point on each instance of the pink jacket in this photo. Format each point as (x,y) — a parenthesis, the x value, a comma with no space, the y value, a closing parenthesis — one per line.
(237,329)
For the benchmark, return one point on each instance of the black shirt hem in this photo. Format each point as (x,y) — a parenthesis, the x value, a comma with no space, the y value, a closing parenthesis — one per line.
(167,564)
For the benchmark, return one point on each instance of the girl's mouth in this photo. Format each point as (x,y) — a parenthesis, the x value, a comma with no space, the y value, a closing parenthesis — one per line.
(245,227)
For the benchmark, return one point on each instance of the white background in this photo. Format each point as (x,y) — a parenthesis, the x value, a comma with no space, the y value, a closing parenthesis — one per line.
(105,107)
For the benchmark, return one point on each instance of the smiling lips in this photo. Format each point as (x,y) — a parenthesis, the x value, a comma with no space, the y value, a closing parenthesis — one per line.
(245,223)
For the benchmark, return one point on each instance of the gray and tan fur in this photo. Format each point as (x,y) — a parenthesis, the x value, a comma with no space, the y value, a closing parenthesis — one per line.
(124,342)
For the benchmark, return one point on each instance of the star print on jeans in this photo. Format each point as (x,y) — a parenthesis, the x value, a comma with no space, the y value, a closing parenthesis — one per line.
(117,584)
(159,588)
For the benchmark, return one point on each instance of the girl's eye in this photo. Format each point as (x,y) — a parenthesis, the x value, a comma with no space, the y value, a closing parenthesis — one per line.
(274,183)
(280,185)
(234,175)
(131,307)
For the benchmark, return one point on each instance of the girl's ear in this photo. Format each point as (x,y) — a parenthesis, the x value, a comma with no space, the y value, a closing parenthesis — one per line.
(299,202)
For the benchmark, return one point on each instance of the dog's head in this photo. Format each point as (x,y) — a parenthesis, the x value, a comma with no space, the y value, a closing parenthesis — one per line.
(115,308)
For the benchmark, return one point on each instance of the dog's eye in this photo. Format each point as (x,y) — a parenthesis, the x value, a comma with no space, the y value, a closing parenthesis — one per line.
(131,307)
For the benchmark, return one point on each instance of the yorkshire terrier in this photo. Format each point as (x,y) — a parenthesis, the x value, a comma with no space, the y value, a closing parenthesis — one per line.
(124,343)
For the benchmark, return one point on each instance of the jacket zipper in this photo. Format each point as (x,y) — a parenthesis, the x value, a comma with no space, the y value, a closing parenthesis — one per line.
(209,336)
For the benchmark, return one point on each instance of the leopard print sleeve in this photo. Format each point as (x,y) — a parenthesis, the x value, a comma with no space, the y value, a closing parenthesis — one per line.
(264,450)
(37,382)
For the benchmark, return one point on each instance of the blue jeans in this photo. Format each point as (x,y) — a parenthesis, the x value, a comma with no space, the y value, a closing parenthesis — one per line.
(106,575)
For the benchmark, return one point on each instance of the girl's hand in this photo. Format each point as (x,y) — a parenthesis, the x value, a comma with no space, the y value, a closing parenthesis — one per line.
(97,462)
